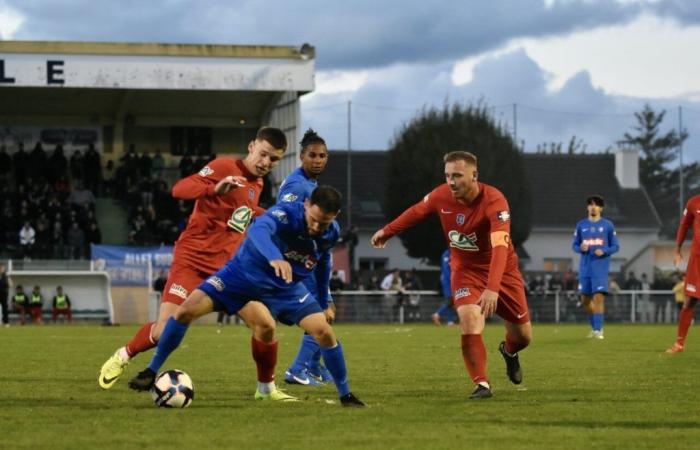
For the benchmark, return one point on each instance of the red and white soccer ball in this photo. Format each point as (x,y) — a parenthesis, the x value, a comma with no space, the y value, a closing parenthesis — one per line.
(173,389)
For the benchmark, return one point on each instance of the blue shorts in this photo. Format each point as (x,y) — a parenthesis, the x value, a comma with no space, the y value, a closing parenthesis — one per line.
(230,291)
(593,285)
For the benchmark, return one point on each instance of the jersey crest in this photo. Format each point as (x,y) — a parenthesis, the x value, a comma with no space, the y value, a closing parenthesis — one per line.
(460,219)
(240,219)
(462,241)
(289,197)
(206,171)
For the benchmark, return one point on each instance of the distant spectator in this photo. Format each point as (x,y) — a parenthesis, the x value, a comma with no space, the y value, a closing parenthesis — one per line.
(43,239)
(145,165)
(20,303)
(679,292)
(76,166)
(38,162)
(57,239)
(61,306)
(632,283)
(186,165)
(157,165)
(76,241)
(4,292)
(27,239)
(92,169)
(569,280)
(108,178)
(393,282)
(80,195)
(555,283)
(131,164)
(20,162)
(57,165)
(336,283)
(5,165)
(644,306)
(93,236)
(36,304)
(159,283)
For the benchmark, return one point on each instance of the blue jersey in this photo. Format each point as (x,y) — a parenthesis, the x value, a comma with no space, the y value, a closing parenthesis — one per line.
(598,235)
(445,274)
(282,233)
(297,187)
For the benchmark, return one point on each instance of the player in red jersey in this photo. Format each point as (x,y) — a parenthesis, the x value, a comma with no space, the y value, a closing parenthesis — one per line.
(691,219)
(226,191)
(485,277)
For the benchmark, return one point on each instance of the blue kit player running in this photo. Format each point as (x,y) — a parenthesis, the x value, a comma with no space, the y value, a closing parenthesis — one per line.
(282,248)
(446,310)
(306,369)
(595,239)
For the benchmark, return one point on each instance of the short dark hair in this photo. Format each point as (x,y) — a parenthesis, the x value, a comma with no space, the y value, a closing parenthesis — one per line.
(274,136)
(595,200)
(467,157)
(327,198)
(311,137)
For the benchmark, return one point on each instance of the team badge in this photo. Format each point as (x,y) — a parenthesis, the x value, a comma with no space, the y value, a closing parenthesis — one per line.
(251,193)
(600,229)
(217,283)
(503,216)
(240,219)
(280,215)
(290,197)
(461,292)
(460,219)
(206,170)
(462,241)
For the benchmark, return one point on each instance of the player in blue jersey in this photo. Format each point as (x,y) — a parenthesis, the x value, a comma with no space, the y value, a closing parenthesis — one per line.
(595,239)
(306,369)
(446,310)
(282,248)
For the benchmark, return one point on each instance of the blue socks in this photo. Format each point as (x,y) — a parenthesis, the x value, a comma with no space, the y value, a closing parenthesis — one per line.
(335,363)
(308,348)
(170,339)
(591,320)
(598,322)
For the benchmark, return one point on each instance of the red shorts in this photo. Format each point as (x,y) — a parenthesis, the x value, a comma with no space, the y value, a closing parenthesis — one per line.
(182,280)
(512,302)
(692,277)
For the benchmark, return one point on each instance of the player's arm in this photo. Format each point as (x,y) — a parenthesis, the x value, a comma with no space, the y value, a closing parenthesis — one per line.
(613,243)
(291,191)
(260,235)
(499,218)
(576,244)
(683,227)
(323,281)
(408,219)
(206,183)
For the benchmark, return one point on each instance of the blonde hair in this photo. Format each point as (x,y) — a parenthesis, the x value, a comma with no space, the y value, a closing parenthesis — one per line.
(458,155)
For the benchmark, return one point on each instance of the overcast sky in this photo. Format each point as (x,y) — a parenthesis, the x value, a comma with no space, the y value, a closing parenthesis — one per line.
(571,67)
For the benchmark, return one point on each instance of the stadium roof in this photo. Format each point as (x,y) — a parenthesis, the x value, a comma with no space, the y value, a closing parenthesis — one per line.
(560,185)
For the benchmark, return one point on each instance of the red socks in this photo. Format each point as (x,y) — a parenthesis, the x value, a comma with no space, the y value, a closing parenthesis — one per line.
(513,347)
(684,321)
(141,341)
(474,355)
(265,356)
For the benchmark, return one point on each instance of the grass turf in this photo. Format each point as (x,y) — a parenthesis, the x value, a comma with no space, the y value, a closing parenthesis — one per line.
(623,392)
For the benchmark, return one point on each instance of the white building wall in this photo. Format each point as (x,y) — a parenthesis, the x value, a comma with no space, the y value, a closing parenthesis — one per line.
(285,114)
(394,252)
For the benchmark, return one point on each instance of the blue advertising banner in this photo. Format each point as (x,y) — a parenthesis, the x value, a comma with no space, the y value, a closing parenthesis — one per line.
(128,266)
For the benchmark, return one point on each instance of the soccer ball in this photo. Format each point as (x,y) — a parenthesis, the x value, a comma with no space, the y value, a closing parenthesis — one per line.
(173,389)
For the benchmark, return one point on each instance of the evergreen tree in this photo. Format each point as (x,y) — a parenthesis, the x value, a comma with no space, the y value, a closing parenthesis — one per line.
(416,168)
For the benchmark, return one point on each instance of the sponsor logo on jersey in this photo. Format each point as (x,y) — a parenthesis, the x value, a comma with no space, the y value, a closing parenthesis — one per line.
(217,283)
(503,216)
(690,288)
(462,241)
(460,219)
(178,290)
(240,219)
(206,171)
(308,261)
(290,197)
(461,292)
(280,215)
(594,241)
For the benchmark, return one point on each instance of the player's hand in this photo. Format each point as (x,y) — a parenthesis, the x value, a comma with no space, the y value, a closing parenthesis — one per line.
(282,269)
(488,302)
(379,239)
(330,313)
(584,247)
(599,252)
(678,260)
(227,183)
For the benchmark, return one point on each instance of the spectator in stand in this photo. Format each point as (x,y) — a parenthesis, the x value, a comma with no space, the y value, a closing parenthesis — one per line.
(570,280)
(146,188)
(413,283)
(38,162)
(555,283)
(8,224)
(43,238)
(20,162)
(5,166)
(76,241)
(27,239)
(336,283)
(199,163)
(77,166)
(186,165)
(158,165)
(108,182)
(57,239)
(57,165)
(374,283)
(62,188)
(393,282)
(614,291)
(36,305)
(145,166)
(92,169)
(131,165)
(93,236)
(159,283)
(679,294)
(633,283)
(4,292)
(20,303)
(644,306)
(80,196)
(61,306)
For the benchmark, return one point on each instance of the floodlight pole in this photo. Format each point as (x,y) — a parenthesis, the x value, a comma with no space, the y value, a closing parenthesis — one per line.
(349,169)
(681,203)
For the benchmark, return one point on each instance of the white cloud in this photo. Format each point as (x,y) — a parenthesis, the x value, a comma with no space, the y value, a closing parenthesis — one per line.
(336,81)
(10,21)
(648,58)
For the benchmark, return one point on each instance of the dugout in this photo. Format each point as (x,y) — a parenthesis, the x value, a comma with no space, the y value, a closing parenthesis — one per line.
(171,97)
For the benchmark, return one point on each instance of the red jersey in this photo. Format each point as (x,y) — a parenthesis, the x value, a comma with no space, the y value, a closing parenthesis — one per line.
(218,223)
(467,228)
(691,219)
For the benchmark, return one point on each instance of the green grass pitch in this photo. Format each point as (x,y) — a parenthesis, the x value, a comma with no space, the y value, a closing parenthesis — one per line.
(623,392)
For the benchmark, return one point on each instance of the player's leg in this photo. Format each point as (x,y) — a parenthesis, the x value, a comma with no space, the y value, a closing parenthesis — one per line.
(598,313)
(685,319)
(315,324)
(513,309)
(471,324)
(197,304)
